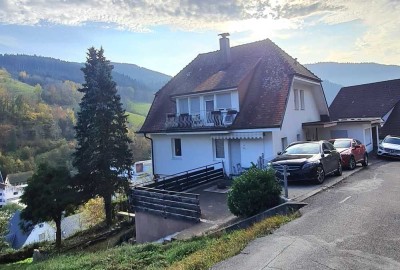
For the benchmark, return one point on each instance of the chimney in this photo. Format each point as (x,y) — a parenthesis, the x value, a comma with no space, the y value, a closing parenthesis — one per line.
(225,49)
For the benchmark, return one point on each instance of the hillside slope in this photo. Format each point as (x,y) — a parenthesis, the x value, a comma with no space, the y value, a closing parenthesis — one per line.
(136,83)
(347,74)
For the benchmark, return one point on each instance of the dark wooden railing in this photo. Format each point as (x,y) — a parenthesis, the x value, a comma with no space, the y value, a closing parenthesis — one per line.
(165,203)
(191,178)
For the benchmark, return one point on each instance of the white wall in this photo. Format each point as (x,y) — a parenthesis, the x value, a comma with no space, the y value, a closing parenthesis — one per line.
(197,151)
(293,120)
(251,150)
(10,197)
(354,130)
(49,232)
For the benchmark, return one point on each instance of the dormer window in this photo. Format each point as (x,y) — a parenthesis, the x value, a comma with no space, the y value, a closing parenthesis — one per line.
(224,101)
(183,105)
(209,109)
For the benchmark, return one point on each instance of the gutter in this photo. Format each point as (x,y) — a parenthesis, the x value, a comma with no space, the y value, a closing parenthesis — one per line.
(152,156)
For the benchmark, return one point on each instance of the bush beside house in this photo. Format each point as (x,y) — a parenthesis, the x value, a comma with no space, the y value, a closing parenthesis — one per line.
(254,191)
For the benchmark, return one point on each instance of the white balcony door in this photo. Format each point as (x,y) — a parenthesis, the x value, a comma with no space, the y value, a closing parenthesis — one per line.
(209,105)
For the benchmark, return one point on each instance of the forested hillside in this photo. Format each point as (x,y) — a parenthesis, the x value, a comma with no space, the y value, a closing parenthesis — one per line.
(30,128)
(134,83)
(39,99)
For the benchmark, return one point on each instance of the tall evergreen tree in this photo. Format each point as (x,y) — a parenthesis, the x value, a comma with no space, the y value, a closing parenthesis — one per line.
(102,156)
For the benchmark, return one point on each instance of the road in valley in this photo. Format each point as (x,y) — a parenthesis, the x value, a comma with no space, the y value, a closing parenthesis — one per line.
(353,225)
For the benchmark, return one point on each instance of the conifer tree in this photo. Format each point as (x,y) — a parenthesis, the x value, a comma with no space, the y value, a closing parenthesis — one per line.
(102,156)
(49,193)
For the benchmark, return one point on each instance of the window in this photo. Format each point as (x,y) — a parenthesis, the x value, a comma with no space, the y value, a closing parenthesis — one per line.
(325,147)
(194,105)
(336,134)
(224,101)
(219,148)
(296,99)
(298,137)
(15,193)
(139,167)
(183,105)
(302,99)
(41,237)
(284,143)
(330,146)
(177,147)
(367,133)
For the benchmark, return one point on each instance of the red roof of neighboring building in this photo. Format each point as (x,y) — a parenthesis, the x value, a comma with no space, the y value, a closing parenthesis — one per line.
(261,71)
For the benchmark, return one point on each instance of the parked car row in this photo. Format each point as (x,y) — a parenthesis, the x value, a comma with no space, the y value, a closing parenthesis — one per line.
(389,147)
(315,160)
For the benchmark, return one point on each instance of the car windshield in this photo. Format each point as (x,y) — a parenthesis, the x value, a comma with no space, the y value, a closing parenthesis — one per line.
(341,143)
(303,149)
(392,140)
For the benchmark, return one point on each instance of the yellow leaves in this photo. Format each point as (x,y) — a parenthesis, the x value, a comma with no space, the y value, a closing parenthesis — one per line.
(93,211)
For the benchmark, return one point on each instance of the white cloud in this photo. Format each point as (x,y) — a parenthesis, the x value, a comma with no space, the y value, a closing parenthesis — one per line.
(259,18)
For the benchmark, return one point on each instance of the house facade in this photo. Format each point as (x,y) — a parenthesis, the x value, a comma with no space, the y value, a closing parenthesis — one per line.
(13,187)
(232,106)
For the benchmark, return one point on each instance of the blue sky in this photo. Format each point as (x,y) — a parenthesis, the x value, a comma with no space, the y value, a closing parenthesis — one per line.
(167,35)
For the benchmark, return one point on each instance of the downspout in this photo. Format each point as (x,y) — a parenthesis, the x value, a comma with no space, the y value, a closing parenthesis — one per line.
(152,156)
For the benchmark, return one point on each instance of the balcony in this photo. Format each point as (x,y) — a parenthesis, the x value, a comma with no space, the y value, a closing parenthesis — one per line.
(209,119)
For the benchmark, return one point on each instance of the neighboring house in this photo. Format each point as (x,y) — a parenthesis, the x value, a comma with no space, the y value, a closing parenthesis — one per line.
(71,225)
(17,238)
(13,187)
(233,105)
(18,179)
(41,232)
(374,100)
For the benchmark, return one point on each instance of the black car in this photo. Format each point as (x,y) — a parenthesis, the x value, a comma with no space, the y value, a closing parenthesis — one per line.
(308,161)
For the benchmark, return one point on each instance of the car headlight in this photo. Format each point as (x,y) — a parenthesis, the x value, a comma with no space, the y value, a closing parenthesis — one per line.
(380,147)
(310,165)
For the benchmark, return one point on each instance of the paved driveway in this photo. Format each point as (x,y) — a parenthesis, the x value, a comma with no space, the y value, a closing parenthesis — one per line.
(354,225)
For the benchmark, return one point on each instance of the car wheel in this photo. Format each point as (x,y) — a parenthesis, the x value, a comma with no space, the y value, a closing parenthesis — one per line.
(339,169)
(365,162)
(320,175)
(352,163)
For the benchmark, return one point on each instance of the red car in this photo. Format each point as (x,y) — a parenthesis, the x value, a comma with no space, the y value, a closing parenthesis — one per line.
(352,152)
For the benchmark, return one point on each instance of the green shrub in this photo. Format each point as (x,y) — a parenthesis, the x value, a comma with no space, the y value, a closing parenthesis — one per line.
(253,192)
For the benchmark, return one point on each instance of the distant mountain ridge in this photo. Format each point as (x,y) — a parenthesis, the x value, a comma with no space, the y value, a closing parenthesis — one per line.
(134,81)
(336,75)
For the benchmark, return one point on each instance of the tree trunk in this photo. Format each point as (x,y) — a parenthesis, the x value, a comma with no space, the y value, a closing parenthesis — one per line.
(58,232)
(108,209)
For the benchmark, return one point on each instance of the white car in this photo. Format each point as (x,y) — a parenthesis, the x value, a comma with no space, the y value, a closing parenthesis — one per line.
(389,147)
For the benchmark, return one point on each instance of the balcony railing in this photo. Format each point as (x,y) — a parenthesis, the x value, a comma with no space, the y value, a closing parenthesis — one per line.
(222,118)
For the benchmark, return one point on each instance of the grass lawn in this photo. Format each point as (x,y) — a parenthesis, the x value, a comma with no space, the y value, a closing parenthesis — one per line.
(197,253)
(141,108)
(15,87)
(135,120)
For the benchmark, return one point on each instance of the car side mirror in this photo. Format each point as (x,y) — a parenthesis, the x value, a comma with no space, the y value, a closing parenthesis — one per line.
(327,152)
(279,153)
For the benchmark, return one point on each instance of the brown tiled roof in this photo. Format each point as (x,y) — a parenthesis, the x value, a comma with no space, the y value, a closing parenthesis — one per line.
(261,71)
(366,100)
(392,124)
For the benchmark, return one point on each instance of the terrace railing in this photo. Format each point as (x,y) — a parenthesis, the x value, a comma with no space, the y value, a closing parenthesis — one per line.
(205,119)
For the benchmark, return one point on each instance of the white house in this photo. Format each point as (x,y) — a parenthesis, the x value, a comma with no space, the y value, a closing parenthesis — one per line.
(233,105)
(13,187)
(38,233)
